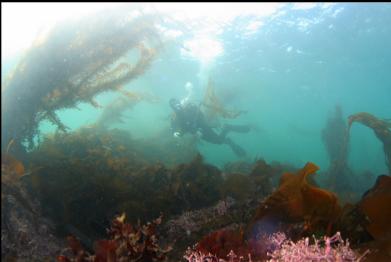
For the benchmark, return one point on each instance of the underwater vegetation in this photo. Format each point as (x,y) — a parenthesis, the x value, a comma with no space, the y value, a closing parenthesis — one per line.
(163,147)
(84,178)
(291,208)
(214,108)
(302,250)
(300,209)
(279,248)
(101,172)
(381,128)
(11,167)
(26,235)
(335,138)
(127,243)
(98,173)
(191,226)
(221,242)
(113,112)
(71,64)
(375,204)
(333,135)
(71,184)
(367,221)
(297,200)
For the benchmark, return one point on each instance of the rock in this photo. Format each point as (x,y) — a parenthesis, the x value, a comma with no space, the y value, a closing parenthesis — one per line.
(25,234)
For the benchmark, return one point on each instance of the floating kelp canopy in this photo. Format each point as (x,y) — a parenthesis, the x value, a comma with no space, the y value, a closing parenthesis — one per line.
(73,63)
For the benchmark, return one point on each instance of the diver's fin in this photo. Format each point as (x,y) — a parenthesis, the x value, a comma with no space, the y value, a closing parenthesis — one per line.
(238,150)
(237,128)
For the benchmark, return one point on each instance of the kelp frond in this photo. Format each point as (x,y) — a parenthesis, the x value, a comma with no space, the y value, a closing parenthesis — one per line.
(214,106)
(382,129)
(73,63)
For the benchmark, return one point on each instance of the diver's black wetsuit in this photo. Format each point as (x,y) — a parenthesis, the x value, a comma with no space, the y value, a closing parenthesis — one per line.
(189,119)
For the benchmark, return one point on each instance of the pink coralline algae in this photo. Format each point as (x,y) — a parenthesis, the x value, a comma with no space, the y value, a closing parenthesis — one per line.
(196,256)
(329,249)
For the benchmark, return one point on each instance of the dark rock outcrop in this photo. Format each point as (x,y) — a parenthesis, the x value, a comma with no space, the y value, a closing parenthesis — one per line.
(25,234)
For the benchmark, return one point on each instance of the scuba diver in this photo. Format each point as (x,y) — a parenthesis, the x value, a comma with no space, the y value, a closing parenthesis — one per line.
(188,118)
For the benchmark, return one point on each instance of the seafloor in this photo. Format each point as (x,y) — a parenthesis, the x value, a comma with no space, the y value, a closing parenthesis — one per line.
(88,196)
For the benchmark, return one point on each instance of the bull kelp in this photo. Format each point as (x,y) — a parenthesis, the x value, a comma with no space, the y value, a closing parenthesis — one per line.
(196,132)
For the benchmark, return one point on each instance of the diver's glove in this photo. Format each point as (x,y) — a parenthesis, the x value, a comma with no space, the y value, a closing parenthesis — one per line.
(177,134)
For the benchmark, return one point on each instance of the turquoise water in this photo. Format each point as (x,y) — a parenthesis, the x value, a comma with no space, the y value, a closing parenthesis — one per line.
(288,69)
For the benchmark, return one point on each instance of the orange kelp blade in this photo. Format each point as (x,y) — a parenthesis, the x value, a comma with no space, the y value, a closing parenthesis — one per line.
(376,205)
(11,167)
(297,200)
